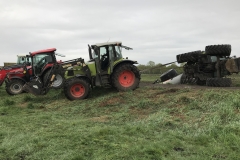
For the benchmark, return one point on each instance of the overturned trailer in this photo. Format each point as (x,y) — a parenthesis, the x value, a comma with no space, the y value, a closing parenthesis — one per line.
(209,67)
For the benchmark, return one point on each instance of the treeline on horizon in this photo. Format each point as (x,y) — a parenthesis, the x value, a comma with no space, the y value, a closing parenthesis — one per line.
(152,68)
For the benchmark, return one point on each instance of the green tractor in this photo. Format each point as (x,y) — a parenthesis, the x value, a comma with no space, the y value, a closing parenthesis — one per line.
(106,67)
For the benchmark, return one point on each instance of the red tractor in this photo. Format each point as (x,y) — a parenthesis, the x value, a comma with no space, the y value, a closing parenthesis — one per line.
(16,76)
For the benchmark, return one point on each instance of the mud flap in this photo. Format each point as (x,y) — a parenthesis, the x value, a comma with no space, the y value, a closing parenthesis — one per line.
(34,87)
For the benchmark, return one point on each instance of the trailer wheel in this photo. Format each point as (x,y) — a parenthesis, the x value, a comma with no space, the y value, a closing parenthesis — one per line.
(190,56)
(58,82)
(14,87)
(219,82)
(76,88)
(126,77)
(218,50)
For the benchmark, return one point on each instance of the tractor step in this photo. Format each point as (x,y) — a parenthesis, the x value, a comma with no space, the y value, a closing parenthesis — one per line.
(105,80)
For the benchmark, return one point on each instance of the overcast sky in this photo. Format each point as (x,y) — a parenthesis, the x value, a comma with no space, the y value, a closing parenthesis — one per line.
(157,30)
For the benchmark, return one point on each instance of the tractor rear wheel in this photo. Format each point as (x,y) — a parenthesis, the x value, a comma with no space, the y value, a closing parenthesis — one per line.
(189,57)
(14,87)
(200,82)
(58,82)
(126,77)
(219,82)
(76,88)
(218,50)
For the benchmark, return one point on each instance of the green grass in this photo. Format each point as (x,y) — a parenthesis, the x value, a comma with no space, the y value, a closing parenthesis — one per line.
(148,123)
(149,77)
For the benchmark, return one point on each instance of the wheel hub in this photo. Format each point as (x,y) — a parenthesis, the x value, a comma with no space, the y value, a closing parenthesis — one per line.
(58,81)
(16,88)
(126,78)
(77,90)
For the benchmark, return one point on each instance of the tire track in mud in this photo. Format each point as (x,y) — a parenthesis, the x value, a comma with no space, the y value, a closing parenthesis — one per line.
(183,86)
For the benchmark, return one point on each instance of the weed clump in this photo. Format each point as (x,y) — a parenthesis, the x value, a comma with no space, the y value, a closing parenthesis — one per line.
(30,106)
(27,98)
(236,104)
(8,102)
(184,99)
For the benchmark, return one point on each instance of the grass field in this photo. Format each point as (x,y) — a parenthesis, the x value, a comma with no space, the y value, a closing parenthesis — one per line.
(148,123)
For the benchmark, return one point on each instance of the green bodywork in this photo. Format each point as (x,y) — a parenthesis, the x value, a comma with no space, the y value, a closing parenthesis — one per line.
(92,67)
(104,57)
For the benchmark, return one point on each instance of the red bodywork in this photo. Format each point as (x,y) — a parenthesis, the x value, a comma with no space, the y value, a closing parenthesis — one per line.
(17,72)
(43,51)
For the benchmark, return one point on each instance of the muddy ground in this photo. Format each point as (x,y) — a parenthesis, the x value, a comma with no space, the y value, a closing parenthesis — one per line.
(182,86)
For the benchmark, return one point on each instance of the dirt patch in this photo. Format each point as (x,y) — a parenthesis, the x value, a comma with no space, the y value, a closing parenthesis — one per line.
(110,102)
(172,90)
(23,105)
(182,86)
(139,112)
(100,119)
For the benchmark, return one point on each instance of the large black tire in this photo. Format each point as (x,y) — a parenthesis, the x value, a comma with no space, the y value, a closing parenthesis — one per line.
(189,57)
(58,82)
(168,75)
(183,79)
(14,87)
(218,50)
(200,82)
(187,80)
(125,77)
(219,82)
(76,88)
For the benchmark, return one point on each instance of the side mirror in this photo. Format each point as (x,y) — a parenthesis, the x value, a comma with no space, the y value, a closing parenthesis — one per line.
(90,52)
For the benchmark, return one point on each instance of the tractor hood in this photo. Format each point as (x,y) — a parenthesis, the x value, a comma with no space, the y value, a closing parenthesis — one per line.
(15,66)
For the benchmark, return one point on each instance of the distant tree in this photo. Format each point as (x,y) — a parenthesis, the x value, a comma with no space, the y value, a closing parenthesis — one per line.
(152,68)
(151,63)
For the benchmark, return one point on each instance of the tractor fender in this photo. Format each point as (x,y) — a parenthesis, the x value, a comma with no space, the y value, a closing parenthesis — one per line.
(83,76)
(15,77)
(124,61)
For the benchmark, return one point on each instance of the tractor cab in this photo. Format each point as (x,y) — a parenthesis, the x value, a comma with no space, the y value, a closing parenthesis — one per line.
(42,59)
(23,59)
(105,55)
(46,72)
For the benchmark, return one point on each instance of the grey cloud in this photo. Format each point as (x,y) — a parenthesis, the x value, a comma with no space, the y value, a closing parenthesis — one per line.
(157,30)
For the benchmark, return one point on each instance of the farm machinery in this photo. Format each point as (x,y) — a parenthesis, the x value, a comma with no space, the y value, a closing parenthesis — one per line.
(209,67)
(15,76)
(106,67)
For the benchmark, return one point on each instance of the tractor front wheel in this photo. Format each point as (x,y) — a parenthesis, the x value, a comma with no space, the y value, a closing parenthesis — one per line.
(218,50)
(126,77)
(14,87)
(58,82)
(76,88)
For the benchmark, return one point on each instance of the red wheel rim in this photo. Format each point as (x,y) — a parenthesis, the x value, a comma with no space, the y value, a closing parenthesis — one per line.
(77,90)
(126,78)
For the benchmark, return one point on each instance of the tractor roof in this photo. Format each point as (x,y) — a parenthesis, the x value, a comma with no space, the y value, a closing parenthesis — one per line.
(107,43)
(43,51)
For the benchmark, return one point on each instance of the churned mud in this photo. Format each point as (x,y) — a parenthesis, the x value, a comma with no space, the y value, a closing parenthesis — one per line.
(182,86)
